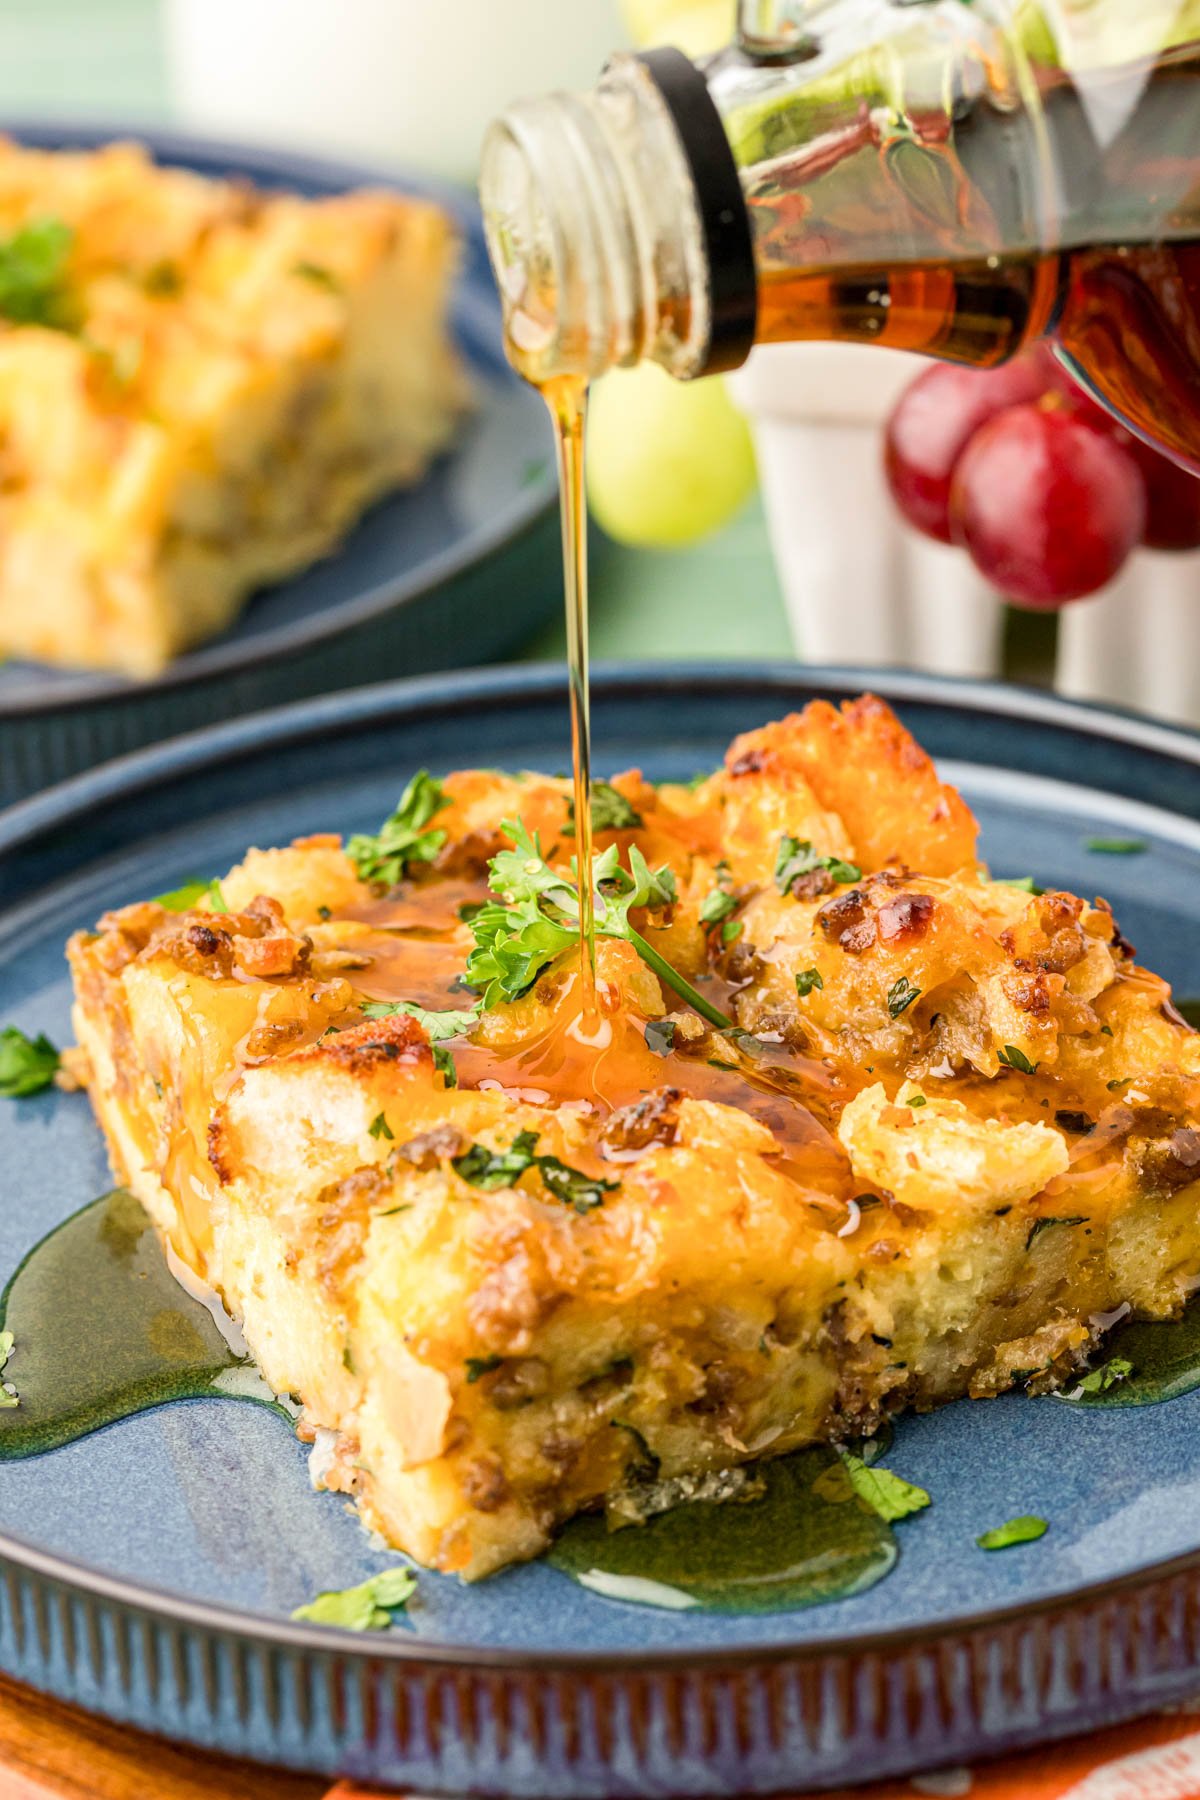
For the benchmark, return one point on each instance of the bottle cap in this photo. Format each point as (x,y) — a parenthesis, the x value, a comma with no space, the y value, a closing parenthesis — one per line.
(728,245)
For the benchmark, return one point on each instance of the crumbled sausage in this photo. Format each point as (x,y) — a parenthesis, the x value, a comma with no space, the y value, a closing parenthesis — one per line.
(431,1148)
(905,919)
(848,922)
(652,1120)
(485,1484)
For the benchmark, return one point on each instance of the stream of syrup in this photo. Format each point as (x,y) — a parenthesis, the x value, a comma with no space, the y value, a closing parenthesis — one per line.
(566,397)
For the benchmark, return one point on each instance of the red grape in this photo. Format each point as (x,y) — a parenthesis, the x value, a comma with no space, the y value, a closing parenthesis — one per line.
(935,419)
(1172,492)
(1172,500)
(1048,506)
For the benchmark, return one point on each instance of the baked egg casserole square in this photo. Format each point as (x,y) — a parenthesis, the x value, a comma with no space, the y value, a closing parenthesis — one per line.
(851,1128)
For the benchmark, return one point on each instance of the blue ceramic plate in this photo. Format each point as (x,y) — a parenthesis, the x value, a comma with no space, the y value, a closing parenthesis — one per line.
(151,1568)
(411,588)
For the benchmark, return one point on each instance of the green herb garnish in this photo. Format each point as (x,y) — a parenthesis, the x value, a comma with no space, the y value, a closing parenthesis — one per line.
(611,811)
(379,1128)
(33,275)
(437,1026)
(796,857)
(443,1062)
(1040,1225)
(1026,883)
(572,1186)
(885,1493)
(7,1399)
(493,1169)
(1025,1530)
(534,919)
(27,1065)
(404,838)
(1116,846)
(916,1100)
(1109,1374)
(901,996)
(731,931)
(479,1366)
(1013,1058)
(183,899)
(318,274)
(367,1607)
(807,980)
(716,906)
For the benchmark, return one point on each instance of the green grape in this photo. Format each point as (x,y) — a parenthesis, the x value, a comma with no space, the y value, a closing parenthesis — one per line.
(694,26)
(668,461)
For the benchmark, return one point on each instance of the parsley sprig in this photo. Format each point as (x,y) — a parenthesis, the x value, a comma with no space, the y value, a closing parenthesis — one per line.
(405,837)
(27,1065)
(534,919)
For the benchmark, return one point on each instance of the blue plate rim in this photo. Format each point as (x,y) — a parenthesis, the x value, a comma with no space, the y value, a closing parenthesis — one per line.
(302,721)
(281,643)
(298,720)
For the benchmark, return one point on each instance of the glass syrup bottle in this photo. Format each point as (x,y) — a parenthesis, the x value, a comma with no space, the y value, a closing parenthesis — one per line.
(956,177)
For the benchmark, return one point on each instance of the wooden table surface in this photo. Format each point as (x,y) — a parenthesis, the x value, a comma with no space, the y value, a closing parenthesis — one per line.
(49,1751)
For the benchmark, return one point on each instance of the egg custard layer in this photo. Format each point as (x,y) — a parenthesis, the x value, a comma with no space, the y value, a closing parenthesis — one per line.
(202,387)
(853,1128)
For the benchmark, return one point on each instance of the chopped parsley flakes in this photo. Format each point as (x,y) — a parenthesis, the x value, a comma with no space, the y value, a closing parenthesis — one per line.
(183,899)
(8,1394)
(437,1026)
(807,980)
(492,1169)
(479,1366)
(611,811)
(1014,1058)
(405,837)
(367,1607)
(33,275)
(1024,1530)
(885,1493)
(1040,1225)
(27,1065)
(379,1128)
(901,996)
(1109,1374)
(796,857)
(716,906)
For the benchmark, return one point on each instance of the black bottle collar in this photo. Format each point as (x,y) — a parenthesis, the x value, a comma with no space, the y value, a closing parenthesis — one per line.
(725,223)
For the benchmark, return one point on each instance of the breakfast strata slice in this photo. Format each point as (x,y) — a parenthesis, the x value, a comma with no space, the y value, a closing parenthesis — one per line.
(202,387)
(840,1137)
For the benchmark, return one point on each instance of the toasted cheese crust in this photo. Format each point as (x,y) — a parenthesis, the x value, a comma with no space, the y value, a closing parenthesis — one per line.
(937,1165)
(216,387)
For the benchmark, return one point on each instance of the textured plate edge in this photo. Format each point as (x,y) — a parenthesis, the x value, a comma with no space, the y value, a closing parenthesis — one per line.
(308,720)
(742,1725)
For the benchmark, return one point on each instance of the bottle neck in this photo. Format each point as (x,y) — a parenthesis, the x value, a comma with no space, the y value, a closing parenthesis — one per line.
(617,228)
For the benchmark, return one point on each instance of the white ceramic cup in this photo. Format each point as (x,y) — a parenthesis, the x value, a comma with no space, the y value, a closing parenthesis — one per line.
(401,81)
